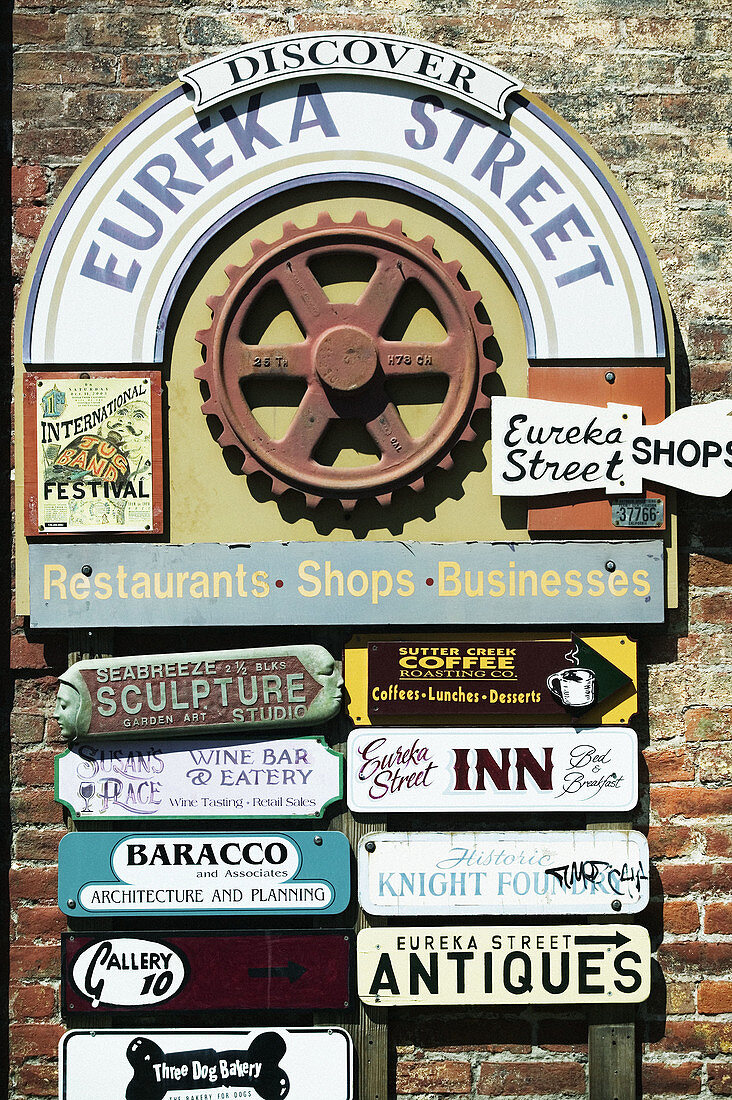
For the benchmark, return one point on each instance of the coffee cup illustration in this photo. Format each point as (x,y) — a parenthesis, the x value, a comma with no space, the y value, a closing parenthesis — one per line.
(573,687)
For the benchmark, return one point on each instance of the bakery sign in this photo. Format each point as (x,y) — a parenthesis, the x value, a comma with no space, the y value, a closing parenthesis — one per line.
(544,447)
(415,874)
(606,964)
(203,779)
(269,1063)
(167,693)
(158,874)
(493,771)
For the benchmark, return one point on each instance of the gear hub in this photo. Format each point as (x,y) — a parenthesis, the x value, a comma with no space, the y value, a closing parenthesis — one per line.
(344,362)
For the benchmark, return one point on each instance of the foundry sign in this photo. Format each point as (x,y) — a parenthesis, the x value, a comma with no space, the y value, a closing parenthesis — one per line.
(405,874)
(559,964)
(112,780)
(206,971)
(503,770)
(267,1063)
(491,679)
(543,447)
(165,693)
(156,874)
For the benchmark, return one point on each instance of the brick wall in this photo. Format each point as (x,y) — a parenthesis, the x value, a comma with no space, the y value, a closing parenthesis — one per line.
(649,85)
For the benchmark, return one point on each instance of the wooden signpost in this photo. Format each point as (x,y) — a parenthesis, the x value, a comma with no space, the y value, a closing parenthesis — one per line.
(526,965)
(497,770)
(206,972)
(496,679)
(198,779)
(204,874)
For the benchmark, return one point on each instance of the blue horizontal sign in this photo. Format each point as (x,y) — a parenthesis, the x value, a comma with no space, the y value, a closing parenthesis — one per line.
(206,584)
(161,874)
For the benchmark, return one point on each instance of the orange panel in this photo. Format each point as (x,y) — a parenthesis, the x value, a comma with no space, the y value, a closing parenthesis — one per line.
(644,386)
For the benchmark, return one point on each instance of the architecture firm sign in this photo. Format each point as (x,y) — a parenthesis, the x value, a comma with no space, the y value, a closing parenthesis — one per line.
(185,692)
(159,874)
(559,964)
(206,971)
(93,453)
(269,1063)
(204,779)
(406,874)
(542,447)
(494,771)
(490,679)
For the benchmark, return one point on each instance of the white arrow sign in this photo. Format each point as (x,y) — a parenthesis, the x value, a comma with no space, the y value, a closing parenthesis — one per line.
(544,447)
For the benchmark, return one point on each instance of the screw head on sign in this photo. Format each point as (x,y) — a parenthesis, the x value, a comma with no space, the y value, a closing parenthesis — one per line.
(370,846)
(86,570)
(616,906)
(317,840)
(610,566)
(71,903)
(610,377)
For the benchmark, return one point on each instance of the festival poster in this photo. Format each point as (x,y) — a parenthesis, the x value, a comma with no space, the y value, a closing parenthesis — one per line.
(93,453)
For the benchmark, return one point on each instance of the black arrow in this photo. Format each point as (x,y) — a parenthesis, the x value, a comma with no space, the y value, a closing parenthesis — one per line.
(292,971)
(618,939)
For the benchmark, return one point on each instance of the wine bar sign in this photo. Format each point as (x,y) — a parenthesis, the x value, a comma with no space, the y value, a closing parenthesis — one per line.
(156,874)
(502,770)
(202,779)
(414,874)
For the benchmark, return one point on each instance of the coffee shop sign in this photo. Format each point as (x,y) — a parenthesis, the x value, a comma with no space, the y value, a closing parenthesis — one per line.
(544,447)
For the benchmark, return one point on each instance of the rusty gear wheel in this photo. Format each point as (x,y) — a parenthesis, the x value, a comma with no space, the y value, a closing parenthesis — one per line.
(344,361)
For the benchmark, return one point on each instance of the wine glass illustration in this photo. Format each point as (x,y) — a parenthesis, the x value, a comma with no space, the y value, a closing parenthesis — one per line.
(86,790)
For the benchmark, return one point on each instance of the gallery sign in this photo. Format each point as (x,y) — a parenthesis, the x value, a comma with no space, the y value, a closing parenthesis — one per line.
(269,1063)
(542,447)
(277,686)
(169,874)
(205,971)
(203,779)
(493,771)
(93,453)
(288,583)
(605,964)
(456,874)
(491,679)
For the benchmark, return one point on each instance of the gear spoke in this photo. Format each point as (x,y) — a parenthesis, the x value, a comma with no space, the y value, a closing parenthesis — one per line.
(306,296)
(390,435)
(397,358)
(313,416)
(382,291)
(268,361)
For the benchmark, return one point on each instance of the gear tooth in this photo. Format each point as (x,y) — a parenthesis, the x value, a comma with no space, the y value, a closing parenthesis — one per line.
(289,229)
(311,501)
(468,435)
(486,331)
(395,227)
(203,373)
(427,244)
(323,220)
(213,301)
(227,437)
(446,463)
(347,504)
(233,271)
(384,499)
(209,407)
(360,218)
(473,296)
(454,268)
(203,335)
(417,486)
(258,247)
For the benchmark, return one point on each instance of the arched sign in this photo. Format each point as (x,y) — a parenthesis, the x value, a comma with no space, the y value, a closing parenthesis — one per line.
(418,220)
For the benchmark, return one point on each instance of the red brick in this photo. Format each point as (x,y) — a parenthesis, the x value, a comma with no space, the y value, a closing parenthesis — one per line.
(35,806)
(33,883)
(680,998)
(36,696)
(34,769)
(38,1079)
(34,1041)
(442,1077)
(708,724)
(668,765)
(39,67)
(711,378)
(680,917)
(698,956)
(25,654)
(39,28)
(669,841)
(706,572)
(718,918)
(32,1002)
(27,182)
(705,1036)
(716,842)
(40,922)
(691,802)
(38,844)
(716,610)
(29,222)
(714,998)
(715,763)
(30,960)
(662,1079)
(531,1079)
(719,1076)
(27,729)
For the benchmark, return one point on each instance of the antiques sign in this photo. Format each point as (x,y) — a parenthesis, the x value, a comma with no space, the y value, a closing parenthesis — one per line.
(167,692)
(93,453)
(489,679)
(113,780)
(558,964)
(206,971)
(363,582)
(494,771)
(542,447)
(405,874)
(268,1063)
(157,874)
